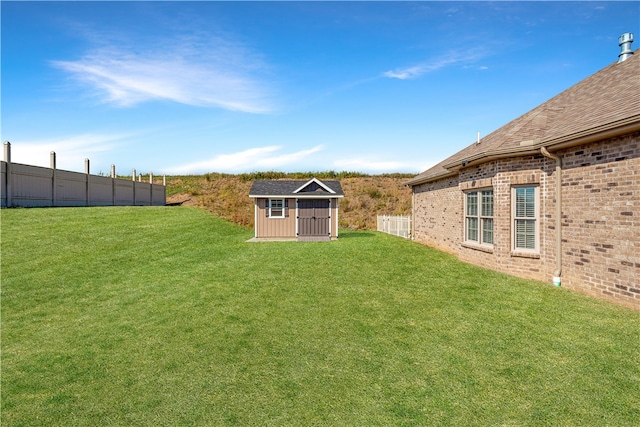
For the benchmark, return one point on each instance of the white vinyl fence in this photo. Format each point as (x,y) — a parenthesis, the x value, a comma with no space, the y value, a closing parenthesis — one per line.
(34,186)
(397,225)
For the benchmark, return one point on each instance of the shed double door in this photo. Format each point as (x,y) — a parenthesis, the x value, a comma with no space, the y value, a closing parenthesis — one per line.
(313,218)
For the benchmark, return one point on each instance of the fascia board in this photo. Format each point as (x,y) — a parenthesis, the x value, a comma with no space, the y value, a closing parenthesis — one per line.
(295,196)
(417,181)
(315,196)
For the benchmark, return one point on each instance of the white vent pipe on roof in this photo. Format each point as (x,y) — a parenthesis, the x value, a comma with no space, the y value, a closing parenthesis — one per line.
(624,41)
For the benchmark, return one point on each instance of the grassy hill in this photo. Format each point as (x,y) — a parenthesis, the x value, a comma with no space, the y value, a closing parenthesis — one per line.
(227,196)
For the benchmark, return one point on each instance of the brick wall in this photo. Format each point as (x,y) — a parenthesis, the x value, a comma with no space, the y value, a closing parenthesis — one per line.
(601,219)
(437,213)
(600,226)
(501,176)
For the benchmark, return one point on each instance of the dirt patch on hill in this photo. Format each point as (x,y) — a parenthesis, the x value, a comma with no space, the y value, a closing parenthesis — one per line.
(182,199)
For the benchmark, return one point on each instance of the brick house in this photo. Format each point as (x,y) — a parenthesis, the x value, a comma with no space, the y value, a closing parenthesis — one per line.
(573,161)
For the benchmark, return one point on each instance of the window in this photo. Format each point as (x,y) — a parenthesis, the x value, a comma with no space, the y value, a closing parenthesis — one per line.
(478,223)
(276,208)
(525,218)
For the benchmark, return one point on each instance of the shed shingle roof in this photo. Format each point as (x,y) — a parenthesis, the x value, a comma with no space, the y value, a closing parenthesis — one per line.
(287,188)
(606,101)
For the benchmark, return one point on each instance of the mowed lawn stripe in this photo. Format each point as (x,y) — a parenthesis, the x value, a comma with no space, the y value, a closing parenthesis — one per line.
(166,316)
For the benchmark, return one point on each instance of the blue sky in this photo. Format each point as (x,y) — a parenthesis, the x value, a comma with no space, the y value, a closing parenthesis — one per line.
(196,87)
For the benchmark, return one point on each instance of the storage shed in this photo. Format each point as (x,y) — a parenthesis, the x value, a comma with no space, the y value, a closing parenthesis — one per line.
(300,210)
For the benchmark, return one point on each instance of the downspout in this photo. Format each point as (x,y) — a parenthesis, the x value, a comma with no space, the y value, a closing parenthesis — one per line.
(412,223)
(558,271)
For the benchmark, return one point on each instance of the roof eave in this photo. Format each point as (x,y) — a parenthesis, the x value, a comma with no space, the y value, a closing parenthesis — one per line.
(423,180)
(610,130)
(621,127)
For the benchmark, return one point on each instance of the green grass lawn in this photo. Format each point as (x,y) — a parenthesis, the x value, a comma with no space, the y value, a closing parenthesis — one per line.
(165,316)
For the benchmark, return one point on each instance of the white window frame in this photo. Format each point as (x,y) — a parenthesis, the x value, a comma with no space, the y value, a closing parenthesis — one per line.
(481,215)
(272,208)
(520,216)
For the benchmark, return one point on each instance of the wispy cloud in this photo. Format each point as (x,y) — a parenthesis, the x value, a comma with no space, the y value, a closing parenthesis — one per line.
(205,71)
(450,59)
(260,158)
(70,151)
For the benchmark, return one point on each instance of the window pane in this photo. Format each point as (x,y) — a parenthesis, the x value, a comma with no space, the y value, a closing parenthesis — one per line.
(472,229)
(487,203)
(276,207)
(530,201)
(472,203)
(487,230)
(525,234)
(525,202)
(520,205)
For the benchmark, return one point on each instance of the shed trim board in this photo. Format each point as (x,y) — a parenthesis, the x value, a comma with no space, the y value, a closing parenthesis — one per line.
(314,180)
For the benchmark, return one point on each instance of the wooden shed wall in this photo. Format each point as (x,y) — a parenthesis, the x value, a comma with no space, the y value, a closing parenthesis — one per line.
(275,227)
(266,227)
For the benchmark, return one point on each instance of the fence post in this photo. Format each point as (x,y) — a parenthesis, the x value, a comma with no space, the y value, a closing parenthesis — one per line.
(7,159)
(113,184)
(52,161)
(88,177)
(151,188)
(133,179)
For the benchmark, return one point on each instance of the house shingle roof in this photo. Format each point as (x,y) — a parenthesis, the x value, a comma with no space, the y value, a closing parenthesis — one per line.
(604,102)
(263,188)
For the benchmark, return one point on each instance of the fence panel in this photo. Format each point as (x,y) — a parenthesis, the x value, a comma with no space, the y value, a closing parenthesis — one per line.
(396,225)
(30,185)
(3,184)
(143,194)
(71,188)
(123,192)
(34,186)
(158,195)
(100,190)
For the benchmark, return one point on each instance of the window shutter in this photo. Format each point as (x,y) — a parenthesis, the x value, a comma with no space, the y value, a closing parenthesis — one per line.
(266,208)
(286,208)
